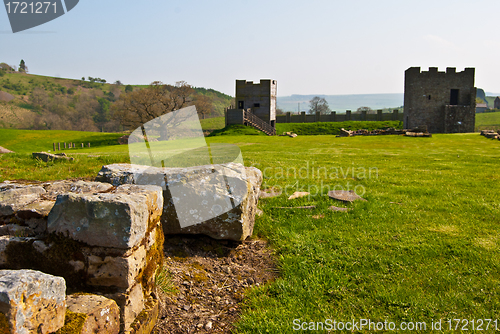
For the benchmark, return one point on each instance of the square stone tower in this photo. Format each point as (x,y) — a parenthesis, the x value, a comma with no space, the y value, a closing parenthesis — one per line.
(260,98)
(443,101)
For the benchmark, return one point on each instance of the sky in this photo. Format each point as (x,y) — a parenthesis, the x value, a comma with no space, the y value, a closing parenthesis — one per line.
(310,47)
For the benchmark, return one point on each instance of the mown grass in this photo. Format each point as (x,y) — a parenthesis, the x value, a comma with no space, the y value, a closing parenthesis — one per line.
(489,120)
(24,141)
(424,247)
(214,123)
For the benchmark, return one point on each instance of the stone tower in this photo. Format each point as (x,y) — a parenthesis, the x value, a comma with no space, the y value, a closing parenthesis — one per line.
(443,101)
(260,98)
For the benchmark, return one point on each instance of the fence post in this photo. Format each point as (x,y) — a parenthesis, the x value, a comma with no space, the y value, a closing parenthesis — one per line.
(58,146)
(303,118)
(347,115)
(363,115)
(379,115)
(54,144)
(333,116)
(89,145)
(288,116)
(395,115)
(82,145)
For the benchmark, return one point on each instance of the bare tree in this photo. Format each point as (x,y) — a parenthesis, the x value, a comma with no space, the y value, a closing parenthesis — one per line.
(318,104)
(136,108)
(203,105)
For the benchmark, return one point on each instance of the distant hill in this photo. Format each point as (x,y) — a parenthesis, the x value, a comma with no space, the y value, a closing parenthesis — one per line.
(341,103)
(38,102)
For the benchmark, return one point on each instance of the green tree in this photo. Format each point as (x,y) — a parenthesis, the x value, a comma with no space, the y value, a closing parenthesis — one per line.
(318,104)
(128,88)
(23,67)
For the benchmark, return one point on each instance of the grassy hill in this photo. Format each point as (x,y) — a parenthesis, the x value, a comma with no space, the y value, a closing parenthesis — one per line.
(67,104)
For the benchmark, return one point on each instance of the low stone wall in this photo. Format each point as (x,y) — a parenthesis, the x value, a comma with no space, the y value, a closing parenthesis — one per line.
(100,238)
(102,242)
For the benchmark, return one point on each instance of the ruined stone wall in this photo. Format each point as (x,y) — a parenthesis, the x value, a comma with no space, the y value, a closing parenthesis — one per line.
(427,95)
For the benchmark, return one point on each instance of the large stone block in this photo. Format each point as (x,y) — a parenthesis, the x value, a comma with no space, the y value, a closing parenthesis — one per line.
(119,219)
(216,200)
(102,315)
(31,301)
(12,198)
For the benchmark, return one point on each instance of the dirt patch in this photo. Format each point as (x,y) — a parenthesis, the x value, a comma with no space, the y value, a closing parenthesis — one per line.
(208,281)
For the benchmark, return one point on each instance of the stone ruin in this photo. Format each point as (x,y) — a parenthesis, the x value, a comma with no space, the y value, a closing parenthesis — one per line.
(84,255)
(491,134)
(420,131)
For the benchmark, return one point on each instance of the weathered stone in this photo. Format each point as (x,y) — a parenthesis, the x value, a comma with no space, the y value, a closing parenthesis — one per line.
(32,302)
(335,208)
(120,219)
(102,314)
(44,156)
(298,194)
(131,303)
(37,209)
(345,133)
(345,196)
(268,193)
(116,270)
(4,150)
(79,187)
(215,200)
(13,197)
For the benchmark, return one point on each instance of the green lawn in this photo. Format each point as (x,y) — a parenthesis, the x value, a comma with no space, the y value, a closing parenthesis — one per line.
(489,120)
(424,247)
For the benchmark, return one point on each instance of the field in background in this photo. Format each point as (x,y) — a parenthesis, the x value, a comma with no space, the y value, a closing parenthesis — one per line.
(486,121)
(424,247)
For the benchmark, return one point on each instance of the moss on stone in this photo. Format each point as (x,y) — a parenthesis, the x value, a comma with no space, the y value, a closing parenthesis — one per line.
(73,323)
(154,259)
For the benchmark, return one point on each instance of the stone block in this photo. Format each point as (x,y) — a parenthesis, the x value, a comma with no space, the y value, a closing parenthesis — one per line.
(31,301)
(119,219)
(14,198)
(131,303)
(215,200)
(102,315)
(78,187)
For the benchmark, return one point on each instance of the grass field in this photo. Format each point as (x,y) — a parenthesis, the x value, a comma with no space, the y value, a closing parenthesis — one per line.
(424,247)
(488,121)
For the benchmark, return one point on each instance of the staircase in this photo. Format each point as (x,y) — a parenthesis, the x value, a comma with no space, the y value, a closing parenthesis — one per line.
(250,119)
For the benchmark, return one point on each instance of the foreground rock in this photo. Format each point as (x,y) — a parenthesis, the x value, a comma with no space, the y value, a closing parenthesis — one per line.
(215,200)
(31,302)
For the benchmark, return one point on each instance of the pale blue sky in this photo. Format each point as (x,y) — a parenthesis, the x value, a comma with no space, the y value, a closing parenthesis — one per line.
(310,47)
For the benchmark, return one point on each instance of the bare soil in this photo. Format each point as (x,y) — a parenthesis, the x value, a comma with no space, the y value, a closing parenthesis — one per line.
(208,280)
